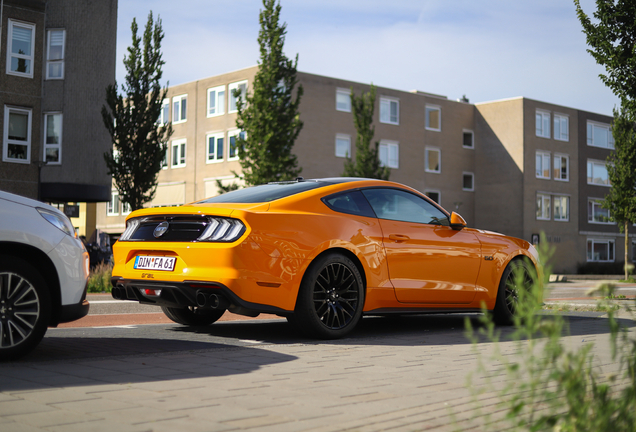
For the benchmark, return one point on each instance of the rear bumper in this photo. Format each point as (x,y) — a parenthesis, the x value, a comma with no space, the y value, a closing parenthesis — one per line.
(74,312)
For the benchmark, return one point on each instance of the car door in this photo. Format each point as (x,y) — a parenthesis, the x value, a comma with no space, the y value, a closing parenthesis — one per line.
(429,262)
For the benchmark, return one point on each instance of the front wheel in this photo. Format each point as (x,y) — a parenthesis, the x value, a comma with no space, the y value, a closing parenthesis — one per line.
(193,315)
(25,308)
(517,276)
(330,298)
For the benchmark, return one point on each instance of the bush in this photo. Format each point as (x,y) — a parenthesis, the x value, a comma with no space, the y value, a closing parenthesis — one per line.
(99,278)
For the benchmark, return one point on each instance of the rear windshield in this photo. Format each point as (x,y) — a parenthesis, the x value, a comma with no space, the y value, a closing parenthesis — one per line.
(264,193)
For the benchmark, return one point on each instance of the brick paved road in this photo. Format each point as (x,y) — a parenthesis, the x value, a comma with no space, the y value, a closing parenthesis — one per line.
(399,374)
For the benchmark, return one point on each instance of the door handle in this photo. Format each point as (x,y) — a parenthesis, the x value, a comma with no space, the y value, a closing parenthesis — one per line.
(399,237)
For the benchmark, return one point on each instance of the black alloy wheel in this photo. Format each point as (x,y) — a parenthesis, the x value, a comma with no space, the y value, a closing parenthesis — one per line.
(25,308)
(194,316)
(330,299)
(517,276)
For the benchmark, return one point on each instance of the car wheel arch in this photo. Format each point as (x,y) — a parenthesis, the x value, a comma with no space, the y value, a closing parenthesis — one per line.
(44,265)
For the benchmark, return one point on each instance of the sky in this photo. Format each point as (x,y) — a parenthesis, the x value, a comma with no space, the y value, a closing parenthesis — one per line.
(487,49)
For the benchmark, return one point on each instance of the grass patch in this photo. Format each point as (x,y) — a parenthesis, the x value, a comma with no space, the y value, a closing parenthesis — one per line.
(99,278)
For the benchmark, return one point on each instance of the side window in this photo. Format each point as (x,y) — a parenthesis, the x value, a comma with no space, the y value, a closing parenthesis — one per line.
(396,204)
(352,202)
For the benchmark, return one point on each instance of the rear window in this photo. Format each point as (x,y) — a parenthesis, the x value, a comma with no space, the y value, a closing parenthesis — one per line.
(264,193)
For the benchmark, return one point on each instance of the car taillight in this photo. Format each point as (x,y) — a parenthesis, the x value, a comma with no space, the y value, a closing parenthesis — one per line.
(222,230)
(131,227)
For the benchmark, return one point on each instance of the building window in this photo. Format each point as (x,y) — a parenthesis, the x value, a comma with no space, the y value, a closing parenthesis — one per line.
(389,111)
(542,165)
(179,109)
(125,208)
(468,182)
(17,136)
(216,101)
(633,251)
(232,150)
(597,173)
(241,86)
(112,209)
(53,138)
(561,127)
(433,160)
(164,115)
(561,167)
(343,145)
(343,100)
(599,135)
(434,195)
(468,141)
(543,124)
(215,147)
(600,250)
(166,157)
(561,208)
(178,153)
(543,207)
(55,54)
(596,213)
(20,49)
(433,118)
(389,154)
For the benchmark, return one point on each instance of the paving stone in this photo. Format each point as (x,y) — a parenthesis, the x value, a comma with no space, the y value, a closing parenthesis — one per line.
(21,406)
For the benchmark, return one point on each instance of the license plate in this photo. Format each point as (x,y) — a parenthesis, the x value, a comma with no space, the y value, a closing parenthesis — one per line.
(154,263)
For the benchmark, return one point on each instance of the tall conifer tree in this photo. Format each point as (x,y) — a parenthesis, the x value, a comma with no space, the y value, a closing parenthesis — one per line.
(139,142)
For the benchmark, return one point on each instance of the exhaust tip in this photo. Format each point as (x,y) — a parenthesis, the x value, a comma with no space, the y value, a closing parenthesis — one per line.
(201,299)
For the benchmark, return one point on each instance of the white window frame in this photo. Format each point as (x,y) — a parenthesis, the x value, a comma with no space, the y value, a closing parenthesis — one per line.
(544,203)
(389,147)
(561,157)
(472,181)
(592,163)
(232,134)
(427,120)
(6,141)
(590,136)
(232,101)
(539,172)
(112,207)
(385,110)
(219,101)
(57,146)
(165,163)
(11,54)
(182,145)
(438,192)
(556,198)
(178,116)
(596,202)
(542,123)
(341,93)
(125,208)
(51,62)
(164,116)
(427,151)
(215,158)
(472,139)
(563,122)
(347,152)
(611,251)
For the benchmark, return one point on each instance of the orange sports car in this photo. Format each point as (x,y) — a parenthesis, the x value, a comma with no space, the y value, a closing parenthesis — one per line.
(321,253)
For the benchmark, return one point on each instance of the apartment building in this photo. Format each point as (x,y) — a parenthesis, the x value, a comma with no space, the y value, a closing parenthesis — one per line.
(516,166)
(55,65)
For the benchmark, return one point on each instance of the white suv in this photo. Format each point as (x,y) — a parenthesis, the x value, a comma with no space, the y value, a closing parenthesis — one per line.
(43,273)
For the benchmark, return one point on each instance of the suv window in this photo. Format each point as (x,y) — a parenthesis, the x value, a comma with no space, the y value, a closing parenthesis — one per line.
(400,205)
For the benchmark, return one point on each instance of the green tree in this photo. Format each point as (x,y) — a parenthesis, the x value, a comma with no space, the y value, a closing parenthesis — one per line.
(367,163)
(139,142)
(269,116)
(612,41)
(621,169)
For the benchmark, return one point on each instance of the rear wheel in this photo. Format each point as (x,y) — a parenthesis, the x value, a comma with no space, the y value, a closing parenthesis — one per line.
(330,298)
(518,275)
(193,315)
(25,307)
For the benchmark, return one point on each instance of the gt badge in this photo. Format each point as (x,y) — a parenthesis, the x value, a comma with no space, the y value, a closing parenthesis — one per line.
(160,229)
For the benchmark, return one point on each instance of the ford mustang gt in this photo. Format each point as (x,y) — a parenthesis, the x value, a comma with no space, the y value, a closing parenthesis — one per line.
(321,253)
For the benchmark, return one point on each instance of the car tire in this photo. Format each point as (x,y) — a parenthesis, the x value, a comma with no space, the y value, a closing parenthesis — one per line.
(507,294)
(330,299)
(25,307)
(193,316)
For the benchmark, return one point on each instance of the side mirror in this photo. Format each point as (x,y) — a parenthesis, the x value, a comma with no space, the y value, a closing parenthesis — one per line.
(457,222)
